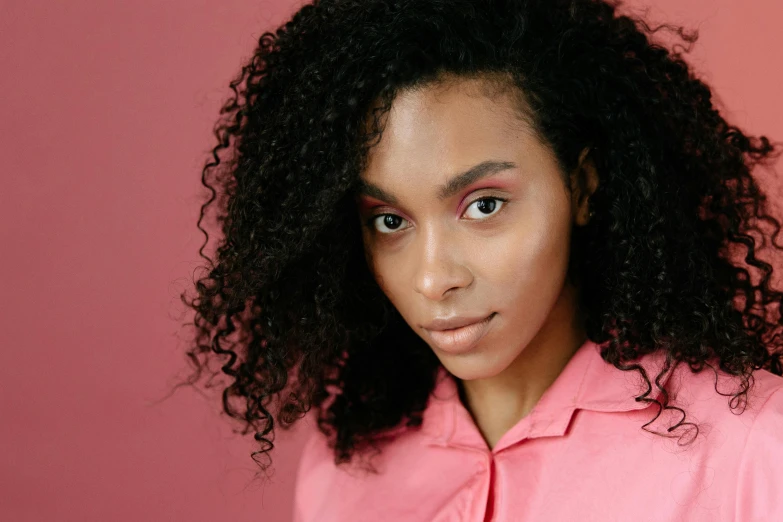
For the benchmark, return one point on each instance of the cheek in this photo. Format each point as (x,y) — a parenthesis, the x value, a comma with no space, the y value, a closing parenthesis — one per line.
(528,263)
(388,275)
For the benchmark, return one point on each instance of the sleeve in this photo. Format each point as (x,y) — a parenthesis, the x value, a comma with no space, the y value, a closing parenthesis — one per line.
(760,475)
(309,474)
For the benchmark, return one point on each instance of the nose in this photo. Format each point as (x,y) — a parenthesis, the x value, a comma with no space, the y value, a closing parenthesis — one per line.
(440,268)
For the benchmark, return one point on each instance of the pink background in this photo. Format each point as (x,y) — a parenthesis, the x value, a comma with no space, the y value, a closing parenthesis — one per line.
(107,111)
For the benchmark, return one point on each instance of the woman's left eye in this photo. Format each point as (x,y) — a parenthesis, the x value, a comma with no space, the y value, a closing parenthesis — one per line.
(483,208)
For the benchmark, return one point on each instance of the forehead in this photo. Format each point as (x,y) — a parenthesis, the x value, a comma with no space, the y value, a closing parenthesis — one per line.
(441,128)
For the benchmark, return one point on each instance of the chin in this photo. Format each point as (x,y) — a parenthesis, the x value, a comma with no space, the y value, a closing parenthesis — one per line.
(476,364)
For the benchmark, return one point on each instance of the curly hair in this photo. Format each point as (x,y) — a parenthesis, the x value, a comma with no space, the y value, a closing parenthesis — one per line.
(288,304)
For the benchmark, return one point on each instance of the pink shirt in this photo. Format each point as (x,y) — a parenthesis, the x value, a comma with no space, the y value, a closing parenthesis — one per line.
(580,454)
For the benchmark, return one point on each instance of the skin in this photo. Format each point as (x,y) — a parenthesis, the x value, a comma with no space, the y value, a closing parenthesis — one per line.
(442,256)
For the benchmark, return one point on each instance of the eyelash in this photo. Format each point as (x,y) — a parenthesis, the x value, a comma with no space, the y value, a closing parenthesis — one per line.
(371,221)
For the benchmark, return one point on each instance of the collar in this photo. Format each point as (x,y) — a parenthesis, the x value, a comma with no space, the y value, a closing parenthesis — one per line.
(587,382)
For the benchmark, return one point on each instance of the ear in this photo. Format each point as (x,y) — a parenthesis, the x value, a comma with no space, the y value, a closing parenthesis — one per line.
(584,181)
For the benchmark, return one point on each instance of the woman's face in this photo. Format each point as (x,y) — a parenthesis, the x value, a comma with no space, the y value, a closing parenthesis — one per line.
(466,220)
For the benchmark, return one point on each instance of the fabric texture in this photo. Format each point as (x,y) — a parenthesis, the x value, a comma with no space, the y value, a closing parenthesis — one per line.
(580,454)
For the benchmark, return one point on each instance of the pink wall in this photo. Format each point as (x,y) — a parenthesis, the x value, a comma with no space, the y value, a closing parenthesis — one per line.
(106,114)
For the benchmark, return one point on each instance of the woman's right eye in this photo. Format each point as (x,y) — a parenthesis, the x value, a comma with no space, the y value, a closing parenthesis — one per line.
(387,223)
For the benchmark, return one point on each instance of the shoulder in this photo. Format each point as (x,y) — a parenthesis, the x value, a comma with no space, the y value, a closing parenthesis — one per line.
(739,445)
(767,413)
(760,476)
(326,491)
(727,427)
(708,394)
(316,465)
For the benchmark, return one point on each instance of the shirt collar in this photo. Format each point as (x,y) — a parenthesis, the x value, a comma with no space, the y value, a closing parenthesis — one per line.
(587,382)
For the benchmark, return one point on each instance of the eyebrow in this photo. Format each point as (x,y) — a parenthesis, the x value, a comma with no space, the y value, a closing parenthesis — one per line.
(452,187)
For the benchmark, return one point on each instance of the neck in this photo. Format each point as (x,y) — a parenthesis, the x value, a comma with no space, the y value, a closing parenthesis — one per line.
(497,403)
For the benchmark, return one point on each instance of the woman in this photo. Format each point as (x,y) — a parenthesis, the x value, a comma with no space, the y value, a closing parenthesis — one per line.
(490,242)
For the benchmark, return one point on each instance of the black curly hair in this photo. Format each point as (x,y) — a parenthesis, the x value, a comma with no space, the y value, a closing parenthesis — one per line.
(288,305)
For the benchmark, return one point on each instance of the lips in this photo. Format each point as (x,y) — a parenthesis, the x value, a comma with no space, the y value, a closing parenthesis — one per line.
(458,334)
